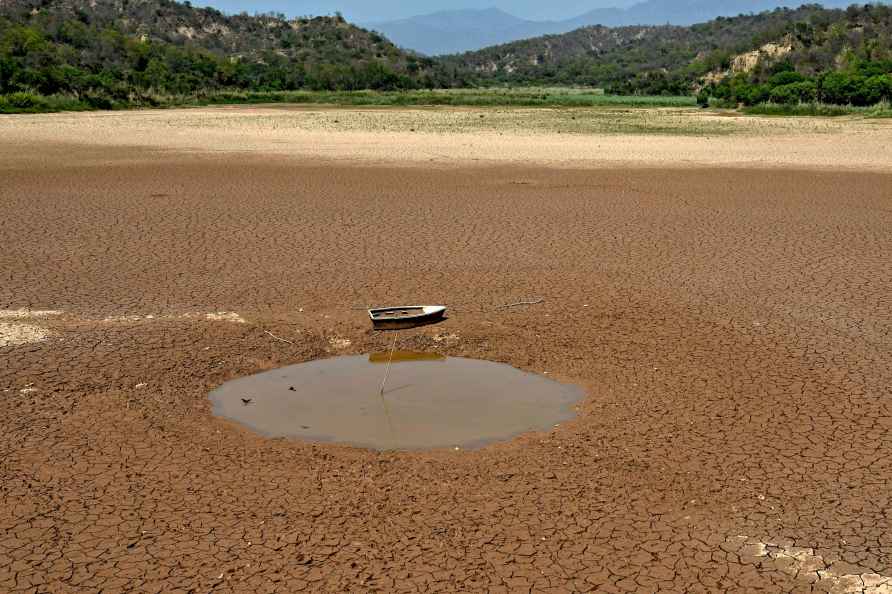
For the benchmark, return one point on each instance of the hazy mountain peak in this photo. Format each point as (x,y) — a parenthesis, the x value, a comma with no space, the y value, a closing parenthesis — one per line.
(460,20)
(457,31)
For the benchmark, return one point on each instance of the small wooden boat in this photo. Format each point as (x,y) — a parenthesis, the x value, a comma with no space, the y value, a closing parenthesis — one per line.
(407,316)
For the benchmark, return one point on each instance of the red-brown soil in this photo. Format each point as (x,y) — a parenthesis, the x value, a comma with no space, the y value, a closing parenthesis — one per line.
(732,328)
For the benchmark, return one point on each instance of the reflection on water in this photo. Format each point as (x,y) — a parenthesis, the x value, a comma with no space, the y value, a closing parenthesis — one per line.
(430,401)
(405,357)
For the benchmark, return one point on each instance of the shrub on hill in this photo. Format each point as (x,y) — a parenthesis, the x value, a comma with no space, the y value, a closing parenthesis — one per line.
(816,42)
(108,52)
(864,83)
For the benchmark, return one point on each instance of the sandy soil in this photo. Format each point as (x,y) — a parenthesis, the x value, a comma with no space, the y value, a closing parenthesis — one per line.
(731,327)
(443,137)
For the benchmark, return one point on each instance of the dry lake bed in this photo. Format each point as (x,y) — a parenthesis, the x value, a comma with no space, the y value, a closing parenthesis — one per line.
(718,286)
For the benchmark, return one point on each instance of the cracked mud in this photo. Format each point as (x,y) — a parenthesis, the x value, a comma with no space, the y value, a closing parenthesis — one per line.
(806,566)
(731,328)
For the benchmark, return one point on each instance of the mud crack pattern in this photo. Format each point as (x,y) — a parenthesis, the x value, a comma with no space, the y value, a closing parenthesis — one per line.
(731,327)
(807,566)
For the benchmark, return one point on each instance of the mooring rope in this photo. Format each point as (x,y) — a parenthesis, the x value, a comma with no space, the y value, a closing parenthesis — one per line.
(381,393)
(386,373)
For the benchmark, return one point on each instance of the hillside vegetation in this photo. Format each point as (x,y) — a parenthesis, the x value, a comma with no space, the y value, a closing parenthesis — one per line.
(845,61)
(126,51)
(811,41)
(68,54)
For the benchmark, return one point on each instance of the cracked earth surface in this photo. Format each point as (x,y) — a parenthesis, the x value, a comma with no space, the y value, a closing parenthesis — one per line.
(731,328)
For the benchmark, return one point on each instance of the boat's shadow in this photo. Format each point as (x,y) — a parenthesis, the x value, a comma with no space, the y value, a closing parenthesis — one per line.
(410,325)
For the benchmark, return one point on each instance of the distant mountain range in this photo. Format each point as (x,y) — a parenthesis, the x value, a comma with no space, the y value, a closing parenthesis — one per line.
(458,31)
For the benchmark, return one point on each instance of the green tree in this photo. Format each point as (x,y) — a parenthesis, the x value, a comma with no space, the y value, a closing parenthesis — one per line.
(794,93)
(876,89)
(840,88)
(156,74)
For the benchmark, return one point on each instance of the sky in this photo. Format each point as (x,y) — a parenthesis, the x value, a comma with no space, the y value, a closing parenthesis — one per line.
(382,10)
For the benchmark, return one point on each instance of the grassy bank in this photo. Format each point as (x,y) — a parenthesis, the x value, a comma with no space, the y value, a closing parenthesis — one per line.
(518,97)
(880,110)
(524,97)
(31,103)
(492,97)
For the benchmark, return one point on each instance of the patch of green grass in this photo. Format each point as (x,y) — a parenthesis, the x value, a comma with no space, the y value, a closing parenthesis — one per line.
(517,97)
(34,103)
(880,110)
(502,97)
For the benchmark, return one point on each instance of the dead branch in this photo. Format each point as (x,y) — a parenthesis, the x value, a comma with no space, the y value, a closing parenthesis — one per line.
(279,339)
(519,303)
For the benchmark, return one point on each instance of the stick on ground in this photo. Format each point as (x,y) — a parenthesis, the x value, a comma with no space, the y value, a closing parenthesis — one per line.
(279,339)
(519,303)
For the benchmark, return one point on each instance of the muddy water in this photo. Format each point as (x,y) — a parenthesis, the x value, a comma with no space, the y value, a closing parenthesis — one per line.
(429,401)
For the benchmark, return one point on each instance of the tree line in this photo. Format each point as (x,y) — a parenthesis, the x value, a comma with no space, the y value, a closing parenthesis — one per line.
(834,56)
(166,48)
(173,49)
(861,83)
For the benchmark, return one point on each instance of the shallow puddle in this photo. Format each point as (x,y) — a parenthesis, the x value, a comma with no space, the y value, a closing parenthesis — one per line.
(429,401)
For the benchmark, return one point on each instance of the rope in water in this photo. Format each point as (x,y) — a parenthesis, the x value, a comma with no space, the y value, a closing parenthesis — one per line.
(384,383)
(389,361)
